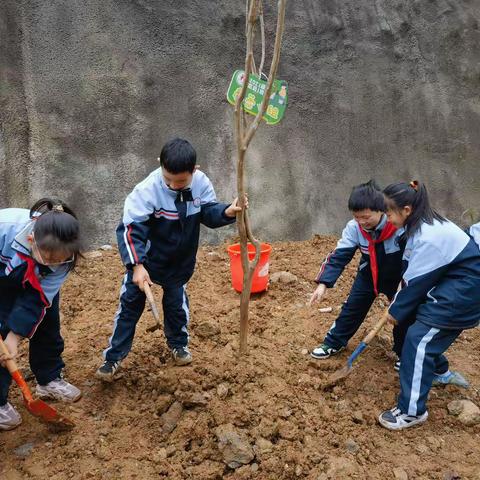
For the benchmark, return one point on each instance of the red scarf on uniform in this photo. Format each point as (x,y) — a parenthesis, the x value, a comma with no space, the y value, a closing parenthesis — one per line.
(31,277)
(387,232)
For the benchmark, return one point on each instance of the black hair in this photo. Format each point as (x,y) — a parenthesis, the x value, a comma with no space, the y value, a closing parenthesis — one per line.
(414,195)
(178,156)
(57,228)
(366,196)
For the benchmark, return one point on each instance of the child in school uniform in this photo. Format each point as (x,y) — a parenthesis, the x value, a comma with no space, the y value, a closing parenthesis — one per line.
(38,250)
(440,288)
(158,241)
(379,270)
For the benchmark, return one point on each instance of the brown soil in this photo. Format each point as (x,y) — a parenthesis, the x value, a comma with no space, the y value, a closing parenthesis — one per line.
(273,393)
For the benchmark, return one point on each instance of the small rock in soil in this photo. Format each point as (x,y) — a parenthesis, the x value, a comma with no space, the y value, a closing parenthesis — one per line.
(171,417)
(222,390)
(341,467)
(357,417)
(92,254)
(468,413)
(352,446)
(400,474)
(191,399)
(160,455)
(215,256)
(450,475)
(23,451)
(235,448)
(207,330)
(262,446)
(283,277)
(162,403)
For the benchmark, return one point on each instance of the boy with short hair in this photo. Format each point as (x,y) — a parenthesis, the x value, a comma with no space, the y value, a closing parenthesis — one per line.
(380,268)
(158,241)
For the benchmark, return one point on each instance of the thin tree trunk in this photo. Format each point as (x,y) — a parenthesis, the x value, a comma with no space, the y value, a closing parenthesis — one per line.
(244,135)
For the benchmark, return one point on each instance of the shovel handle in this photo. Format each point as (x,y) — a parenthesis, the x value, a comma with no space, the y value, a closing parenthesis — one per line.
(151,301)
(378,326)
(15,373)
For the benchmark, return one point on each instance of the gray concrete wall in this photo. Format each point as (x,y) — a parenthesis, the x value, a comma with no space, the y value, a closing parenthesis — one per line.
(91,90)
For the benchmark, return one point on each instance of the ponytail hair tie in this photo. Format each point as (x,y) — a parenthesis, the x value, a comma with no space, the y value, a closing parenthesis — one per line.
(57,208)
(414,185)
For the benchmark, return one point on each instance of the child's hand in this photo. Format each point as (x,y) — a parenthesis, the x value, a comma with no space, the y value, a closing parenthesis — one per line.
(11,342)
(140,276)
(232,210)
(391,320)
(318,293)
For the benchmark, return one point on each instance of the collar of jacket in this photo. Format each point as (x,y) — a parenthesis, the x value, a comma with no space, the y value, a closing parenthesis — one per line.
(379,227)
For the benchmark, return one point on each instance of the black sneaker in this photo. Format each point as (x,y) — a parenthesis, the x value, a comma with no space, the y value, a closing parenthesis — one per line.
(107,371)
(394,419)
(396,366)
(181,356)
(324,351)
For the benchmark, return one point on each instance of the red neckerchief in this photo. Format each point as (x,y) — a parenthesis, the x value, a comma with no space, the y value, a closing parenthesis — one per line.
(31,277)
(387,232)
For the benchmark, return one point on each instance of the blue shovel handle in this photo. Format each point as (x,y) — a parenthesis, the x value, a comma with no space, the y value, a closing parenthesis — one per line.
(363,345)
(356,353)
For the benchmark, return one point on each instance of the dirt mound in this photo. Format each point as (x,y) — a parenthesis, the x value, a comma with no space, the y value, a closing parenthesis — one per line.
(263,416)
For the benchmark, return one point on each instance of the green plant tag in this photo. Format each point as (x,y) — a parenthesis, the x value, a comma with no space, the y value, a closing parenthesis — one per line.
(255,93)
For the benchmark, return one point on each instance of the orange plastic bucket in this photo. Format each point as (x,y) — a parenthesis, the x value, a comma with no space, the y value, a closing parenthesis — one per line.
(260,275)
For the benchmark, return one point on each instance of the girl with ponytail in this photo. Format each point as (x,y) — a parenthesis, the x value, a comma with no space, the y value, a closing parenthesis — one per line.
(438,299)
(38,249)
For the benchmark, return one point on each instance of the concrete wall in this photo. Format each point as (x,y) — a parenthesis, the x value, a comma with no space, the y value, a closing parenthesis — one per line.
(91,90)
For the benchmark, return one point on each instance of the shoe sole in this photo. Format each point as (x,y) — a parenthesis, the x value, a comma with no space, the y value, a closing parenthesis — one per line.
(3,428)
(51,396)
(182,363)
(389,426)
(105,377)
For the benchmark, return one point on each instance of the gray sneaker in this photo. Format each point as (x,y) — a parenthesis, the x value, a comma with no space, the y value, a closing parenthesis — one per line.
(9,417)
(59,389)
(450,378)
(181,356)
(107,371)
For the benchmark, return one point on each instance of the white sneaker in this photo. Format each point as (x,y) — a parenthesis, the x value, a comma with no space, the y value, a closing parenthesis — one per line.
(394,419)
(9,417)
(181,356)
(59,389)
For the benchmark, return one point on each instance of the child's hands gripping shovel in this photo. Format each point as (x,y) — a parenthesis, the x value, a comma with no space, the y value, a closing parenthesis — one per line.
(341,374)
(36,407)
(153,306)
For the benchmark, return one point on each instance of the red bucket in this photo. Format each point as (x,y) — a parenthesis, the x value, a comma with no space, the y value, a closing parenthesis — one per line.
(260,275)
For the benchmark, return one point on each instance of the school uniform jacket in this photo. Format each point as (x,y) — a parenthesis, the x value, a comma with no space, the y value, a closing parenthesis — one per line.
(160,227)
(441,281)
(389,256)
(29,307)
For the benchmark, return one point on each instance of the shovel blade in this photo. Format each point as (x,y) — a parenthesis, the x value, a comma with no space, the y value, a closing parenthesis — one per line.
(49,415)
(337,376)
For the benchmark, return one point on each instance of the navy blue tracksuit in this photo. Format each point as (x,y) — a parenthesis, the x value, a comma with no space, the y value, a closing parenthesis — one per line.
(160,229)
(440,288)
(355,309)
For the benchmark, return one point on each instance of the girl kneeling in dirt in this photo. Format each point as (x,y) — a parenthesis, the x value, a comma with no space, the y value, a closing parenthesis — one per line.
(38,249)
(440,288)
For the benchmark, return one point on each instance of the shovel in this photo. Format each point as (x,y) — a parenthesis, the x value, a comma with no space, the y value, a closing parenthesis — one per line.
(341,374)
(153,306)
(36,407)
